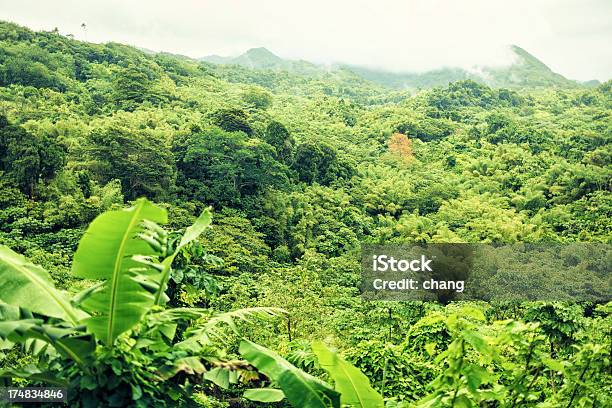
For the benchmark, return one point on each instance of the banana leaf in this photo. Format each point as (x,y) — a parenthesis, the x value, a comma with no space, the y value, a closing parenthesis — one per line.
(263,395)
(19,326)
(191,233)
(353,385)
(34,374)
(301,389)
(24,284)
(107,252)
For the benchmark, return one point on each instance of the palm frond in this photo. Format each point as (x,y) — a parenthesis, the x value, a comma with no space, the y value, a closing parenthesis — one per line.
(213,329)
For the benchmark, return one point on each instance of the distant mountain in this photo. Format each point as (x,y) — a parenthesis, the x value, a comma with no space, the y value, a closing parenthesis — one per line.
(259,58)
(217,59)
(262,58)
(525,71)
(593,83)
(410,80)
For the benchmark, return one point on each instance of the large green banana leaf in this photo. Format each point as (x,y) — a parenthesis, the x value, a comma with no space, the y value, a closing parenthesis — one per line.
(353,385)
(107,252)
(18,325)
(263,395)
(23,284)
(191,233)
(32,373)
(301,389)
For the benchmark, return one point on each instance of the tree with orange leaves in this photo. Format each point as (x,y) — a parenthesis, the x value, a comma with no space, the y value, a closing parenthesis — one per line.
(401,146)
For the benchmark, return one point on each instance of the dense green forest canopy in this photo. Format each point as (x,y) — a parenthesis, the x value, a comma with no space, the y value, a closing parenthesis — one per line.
(300,169)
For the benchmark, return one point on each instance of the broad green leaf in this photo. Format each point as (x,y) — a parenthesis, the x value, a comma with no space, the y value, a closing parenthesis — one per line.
(198,227)
(136,391)
(479,342)
(168,330)
(553,364)
(191,233)
(33,374)
(264,395)
(24,284)
(106,252)
(430,401)
(85,293)
(189,365)
(301,389)
(220,376)
(77,347)
(18,326)
(475,376)
(352,384)
(18,331)
(462,401)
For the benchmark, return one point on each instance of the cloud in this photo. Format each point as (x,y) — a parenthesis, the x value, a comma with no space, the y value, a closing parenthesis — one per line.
(572,37)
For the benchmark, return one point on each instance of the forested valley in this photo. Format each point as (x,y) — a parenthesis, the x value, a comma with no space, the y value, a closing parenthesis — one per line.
(225,209)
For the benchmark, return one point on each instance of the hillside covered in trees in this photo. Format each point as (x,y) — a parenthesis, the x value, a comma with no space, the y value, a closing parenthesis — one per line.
(300,167)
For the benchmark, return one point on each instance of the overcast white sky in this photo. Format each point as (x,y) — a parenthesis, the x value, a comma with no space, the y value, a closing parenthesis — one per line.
(573,37)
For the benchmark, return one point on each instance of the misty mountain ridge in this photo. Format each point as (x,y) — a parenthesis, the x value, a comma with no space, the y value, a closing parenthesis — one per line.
(525,71)
(262,58)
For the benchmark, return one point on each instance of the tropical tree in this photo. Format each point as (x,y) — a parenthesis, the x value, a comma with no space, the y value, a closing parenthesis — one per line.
(139,158)
(26,158)
(233,120)
(278,136)
(223,167)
